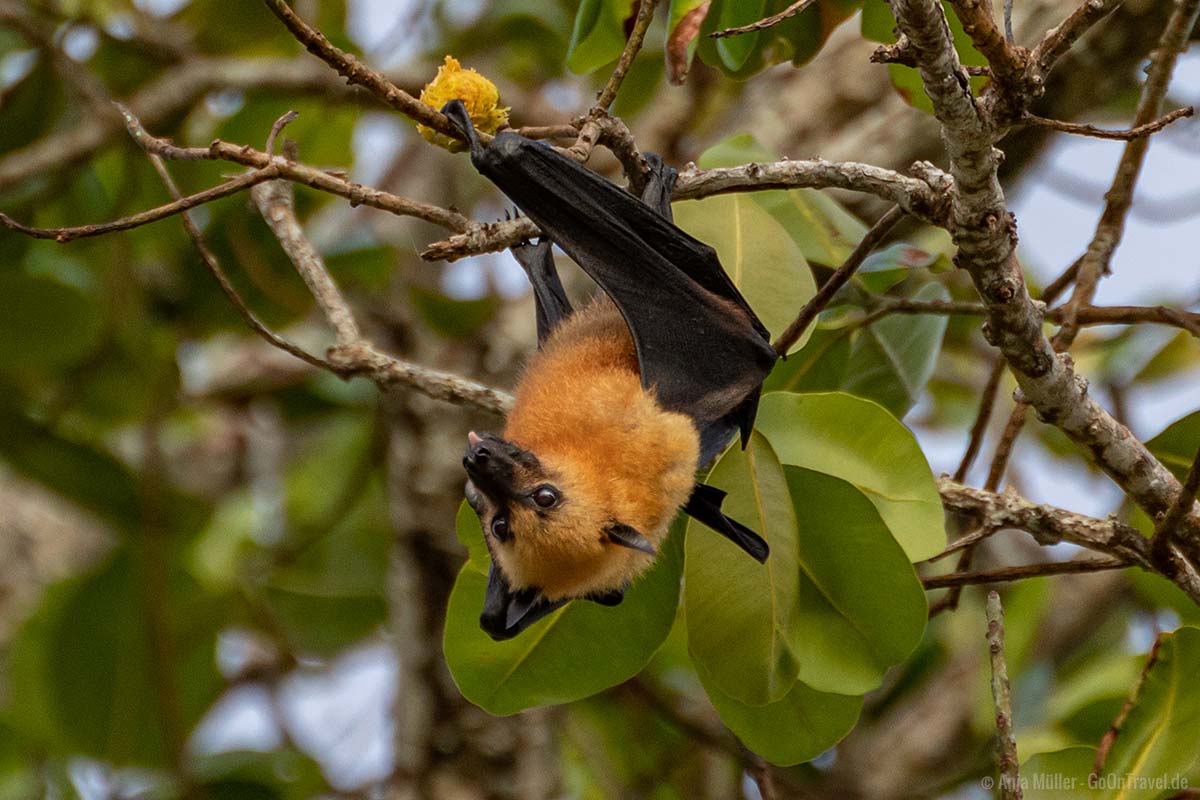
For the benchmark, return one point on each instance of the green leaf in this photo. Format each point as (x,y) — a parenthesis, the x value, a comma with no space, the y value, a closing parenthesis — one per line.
(893,358)
(1156,752)
(860,442)
(884,268)
(825,232)
(1061,775)
(575,652)
(797,728)
(820,366)
(757,253)
(1177,445)
(735,50)
(862,608)
(44,324)
(736,605)
(599,34)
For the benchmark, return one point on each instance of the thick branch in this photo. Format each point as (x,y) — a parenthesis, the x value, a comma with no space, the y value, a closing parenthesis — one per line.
(914,195)
(274,201)
(1046,524)
(985,234)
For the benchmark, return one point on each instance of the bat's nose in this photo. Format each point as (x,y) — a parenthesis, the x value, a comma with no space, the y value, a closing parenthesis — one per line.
(479,454)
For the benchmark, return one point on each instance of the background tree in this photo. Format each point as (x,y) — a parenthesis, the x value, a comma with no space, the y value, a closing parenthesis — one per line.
(231,453)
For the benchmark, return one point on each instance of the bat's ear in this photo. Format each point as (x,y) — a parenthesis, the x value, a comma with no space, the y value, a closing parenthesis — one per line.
(458,115)
(621,534)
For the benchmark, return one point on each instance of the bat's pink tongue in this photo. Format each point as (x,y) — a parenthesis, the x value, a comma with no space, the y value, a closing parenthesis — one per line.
(473,438)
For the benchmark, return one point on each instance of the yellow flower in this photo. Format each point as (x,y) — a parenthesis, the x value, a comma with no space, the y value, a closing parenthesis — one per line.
(478,94)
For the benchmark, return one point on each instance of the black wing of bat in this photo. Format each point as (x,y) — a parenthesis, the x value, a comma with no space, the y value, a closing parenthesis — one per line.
(700,346)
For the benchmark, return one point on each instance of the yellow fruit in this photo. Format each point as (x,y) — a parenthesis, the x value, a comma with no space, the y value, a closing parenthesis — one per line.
(478,94)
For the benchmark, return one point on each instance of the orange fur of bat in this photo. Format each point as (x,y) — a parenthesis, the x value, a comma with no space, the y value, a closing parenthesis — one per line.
(614,453)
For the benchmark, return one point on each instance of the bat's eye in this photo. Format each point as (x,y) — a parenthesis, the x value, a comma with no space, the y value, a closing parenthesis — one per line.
(500,528)
(546,497)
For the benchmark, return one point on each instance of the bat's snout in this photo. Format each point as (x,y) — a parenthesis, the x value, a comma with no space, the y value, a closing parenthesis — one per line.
(489,462)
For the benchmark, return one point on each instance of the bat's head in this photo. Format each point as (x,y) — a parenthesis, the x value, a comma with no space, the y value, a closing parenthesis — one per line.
(551,536)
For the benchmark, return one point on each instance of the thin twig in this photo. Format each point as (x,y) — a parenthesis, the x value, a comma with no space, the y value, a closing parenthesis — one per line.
(1004,448)
(1080,129)
(296,172)
(979,428)
(359,74)
(214,266)
(1006,745)
(1166,528)
(1110,229)
(1060,39)
(814,306)
(645,15)
(1007,574)
(765,22)
(1114,730)
(62,235)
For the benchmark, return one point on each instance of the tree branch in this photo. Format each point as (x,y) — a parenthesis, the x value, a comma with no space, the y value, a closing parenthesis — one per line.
(985,234)
(765,22)
(645,15)
(817,303)
(1006,745)
(1007,574)
(1137,132)
(294,171)
(1060,39)
(915,196)
(359,74)
(1046,524)
(1096,260)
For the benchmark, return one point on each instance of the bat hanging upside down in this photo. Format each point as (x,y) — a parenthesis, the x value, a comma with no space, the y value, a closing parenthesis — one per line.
(626,398)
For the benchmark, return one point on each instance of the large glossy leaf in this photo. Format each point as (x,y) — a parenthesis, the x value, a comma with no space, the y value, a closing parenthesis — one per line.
(862,608)
(599,34)
(742,615)
(1156,753)
(860,442)
(796,728)
(577,651)
(1177,445)
(893,358)
(759,255)
(824,231)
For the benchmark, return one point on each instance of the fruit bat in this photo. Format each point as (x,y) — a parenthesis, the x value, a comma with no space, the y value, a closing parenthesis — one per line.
(626,398)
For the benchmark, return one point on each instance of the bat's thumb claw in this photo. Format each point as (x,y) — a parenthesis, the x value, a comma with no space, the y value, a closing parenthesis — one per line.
(460,118)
